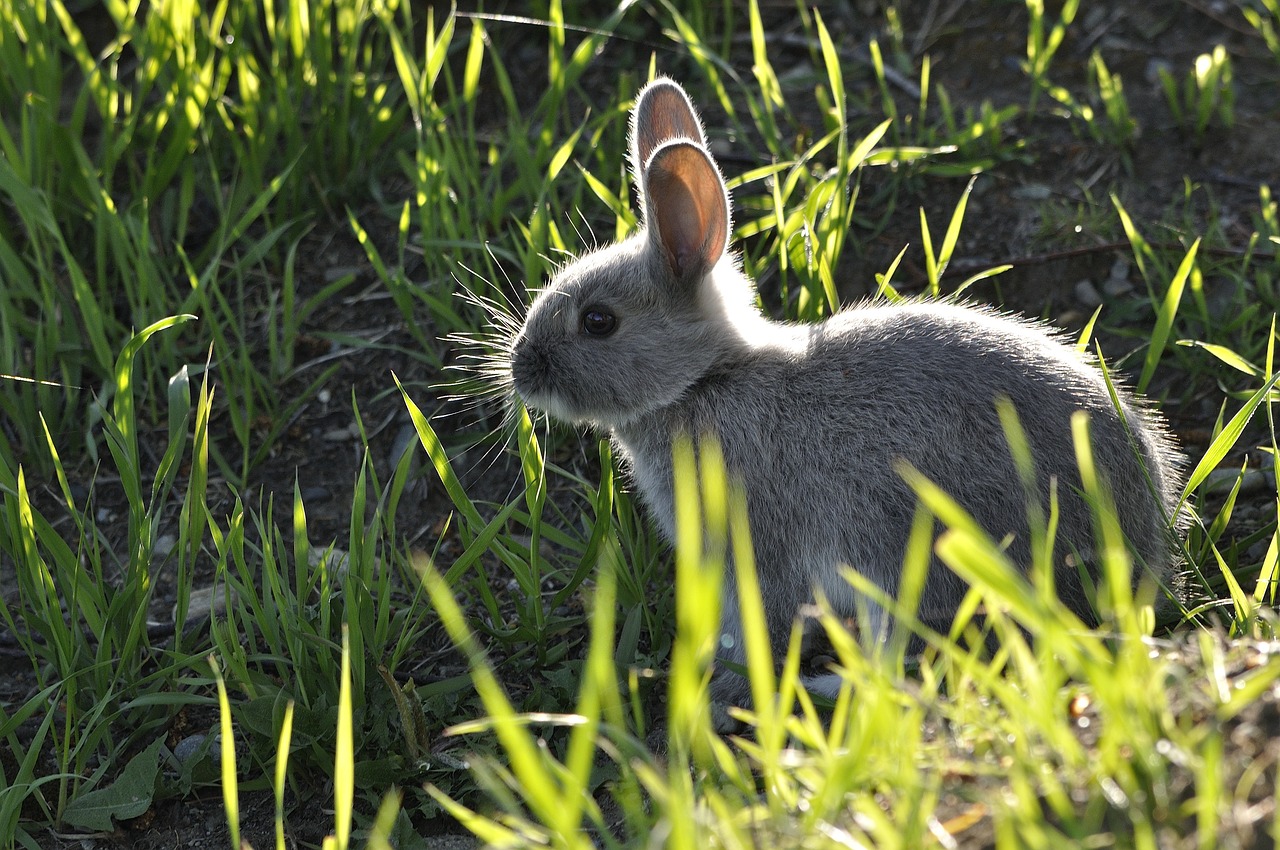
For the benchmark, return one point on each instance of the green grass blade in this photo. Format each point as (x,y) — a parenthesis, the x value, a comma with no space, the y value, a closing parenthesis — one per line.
(440,460)
(227,749)
(281,774)
(344,780)
(1226,440)
(1164,317)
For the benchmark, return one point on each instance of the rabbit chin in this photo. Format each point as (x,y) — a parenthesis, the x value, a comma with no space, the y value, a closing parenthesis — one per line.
(562,410)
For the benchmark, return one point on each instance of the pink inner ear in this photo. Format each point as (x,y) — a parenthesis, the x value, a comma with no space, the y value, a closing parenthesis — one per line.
(686,202)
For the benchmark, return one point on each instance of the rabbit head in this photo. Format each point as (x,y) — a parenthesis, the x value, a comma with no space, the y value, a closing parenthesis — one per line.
(627,329)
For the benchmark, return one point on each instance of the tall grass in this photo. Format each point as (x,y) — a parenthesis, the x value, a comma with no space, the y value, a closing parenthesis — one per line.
(165,169)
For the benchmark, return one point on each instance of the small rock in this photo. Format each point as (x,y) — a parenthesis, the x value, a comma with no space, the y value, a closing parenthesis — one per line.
(1116,286)
(1087,294)
(337,560)
(203,602)
(186,749)
(1255,553)
(1032,192)
(1120,269)
(406,439)
(1094,17)
(314,493)
(338,435)
(1244,513)
(1252,481)
(1154,67)
(164,545)
(339,272)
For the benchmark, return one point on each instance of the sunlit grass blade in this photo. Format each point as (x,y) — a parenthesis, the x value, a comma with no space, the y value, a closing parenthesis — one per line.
(1165,316)
(538,788)
(953,232)
(884,280)
(344,780)
(1139,247)
(440,459)
(1226,439)
(384,822)
(700,507)
(227,756)
(282,763)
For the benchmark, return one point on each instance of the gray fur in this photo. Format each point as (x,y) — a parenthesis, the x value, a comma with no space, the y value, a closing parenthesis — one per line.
(813,418)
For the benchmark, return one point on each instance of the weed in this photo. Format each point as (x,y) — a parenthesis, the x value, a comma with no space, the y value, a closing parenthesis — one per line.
(1042,45)
(1106,114)
(1205,97)
(1266,22)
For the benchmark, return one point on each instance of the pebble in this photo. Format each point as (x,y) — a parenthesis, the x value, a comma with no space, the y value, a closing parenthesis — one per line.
(1087,294)
(1094,16)
(339,272)
(164,545)
(338,435)
(1244,513)
(1252,481)
(1255,553)
(1032,192)
(314,493)
(336,560)
(406,439)
(204,601)
(1154,67)
(1116,286)
(186,749)
(1120,268)
(1112,287)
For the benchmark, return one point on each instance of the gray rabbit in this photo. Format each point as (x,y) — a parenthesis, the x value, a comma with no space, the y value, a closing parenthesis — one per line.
(660,336)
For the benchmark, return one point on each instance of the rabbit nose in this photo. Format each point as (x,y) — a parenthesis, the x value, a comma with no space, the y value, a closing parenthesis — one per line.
(528,364)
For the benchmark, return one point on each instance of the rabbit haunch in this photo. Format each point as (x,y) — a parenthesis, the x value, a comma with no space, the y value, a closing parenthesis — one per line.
(659,337)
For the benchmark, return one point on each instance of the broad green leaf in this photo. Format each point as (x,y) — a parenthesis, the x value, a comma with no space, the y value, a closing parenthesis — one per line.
(128,797)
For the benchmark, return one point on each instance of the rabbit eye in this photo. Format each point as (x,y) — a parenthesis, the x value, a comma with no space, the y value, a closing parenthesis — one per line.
(597,322)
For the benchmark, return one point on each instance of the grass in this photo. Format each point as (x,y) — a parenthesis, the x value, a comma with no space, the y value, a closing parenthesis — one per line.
(181,618)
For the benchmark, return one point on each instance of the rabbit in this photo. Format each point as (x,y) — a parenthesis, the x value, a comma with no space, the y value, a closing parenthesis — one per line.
(659,336)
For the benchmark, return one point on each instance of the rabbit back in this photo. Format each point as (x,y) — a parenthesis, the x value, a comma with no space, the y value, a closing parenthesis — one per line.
(816,434)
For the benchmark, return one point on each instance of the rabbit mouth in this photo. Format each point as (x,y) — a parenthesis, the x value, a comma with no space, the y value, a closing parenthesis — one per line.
(531,385)
(539,397)
(555,407)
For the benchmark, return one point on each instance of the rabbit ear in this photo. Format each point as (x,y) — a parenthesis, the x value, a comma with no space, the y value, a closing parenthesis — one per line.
(662,112)
(686,209)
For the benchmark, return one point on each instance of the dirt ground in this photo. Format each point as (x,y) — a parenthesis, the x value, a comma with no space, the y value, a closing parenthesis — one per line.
(975,48)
